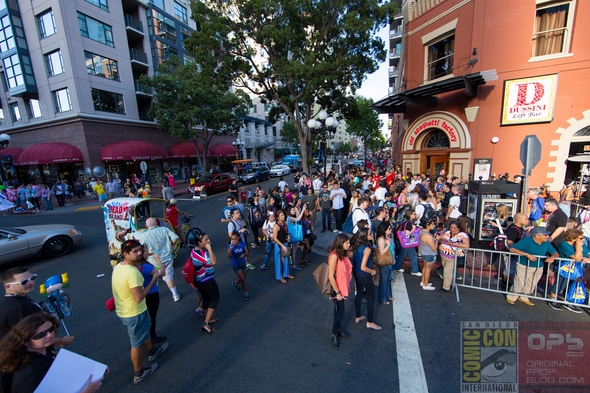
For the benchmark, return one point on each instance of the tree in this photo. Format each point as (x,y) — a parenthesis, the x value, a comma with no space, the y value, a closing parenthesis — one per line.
(366,124)
(187,104)
(344,148)
(300,54)
(289,134)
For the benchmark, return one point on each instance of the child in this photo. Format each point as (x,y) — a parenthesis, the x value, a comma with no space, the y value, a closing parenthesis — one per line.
(243,195)
(237,251)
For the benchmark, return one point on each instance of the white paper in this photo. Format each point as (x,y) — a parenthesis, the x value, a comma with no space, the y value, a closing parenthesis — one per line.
(69,373)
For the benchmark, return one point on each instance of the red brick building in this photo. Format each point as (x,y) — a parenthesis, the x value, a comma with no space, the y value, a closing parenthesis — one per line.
(475,77)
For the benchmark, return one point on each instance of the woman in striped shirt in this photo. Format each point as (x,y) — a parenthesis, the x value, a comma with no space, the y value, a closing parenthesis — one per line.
(204,260)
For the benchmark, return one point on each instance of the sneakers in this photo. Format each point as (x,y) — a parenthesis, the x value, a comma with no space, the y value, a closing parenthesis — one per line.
(176,297)
(144,373)
(422,284)
(401,270)
(263,267)
(572,308)
(236,286)
(246,296)
(249,266)
(254,245)
(459,278)
(429,288)
(160,350)
(417,274)
(335,231)
(200,312)
(555,306)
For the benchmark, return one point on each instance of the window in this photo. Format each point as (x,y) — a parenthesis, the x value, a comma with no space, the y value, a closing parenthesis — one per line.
(55,65)
(13,71)
(2,122)
(6,34)
(553,26)
(46,24)
(95,30)
(102,4)
(107,101)
(158,3)
(440,57)
(180,12)
(15,111)
(101,66)
(34,108)
(164,27)
(62,100)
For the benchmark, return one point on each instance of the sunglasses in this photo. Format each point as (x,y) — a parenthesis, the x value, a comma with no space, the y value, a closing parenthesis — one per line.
(229,201)
(42,334)
(23,282)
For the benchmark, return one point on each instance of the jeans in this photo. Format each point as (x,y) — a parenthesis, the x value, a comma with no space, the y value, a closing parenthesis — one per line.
(278,260)
(413,258)
(338,216)
(268,252)
(48,203)
(384,292)
(326,219)
(339,313)
(364,281)
(255,232)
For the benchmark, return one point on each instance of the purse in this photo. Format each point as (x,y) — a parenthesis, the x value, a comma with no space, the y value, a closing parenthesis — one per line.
(296,232)
(322,278)
(409,241)
(286,254)
(383,260)
(110,304)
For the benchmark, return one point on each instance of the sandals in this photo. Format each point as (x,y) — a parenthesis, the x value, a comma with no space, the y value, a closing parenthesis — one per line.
(212,321)
(385,303)
(206,328)
(373,326)
(283,280)
(359,319)
(290,276)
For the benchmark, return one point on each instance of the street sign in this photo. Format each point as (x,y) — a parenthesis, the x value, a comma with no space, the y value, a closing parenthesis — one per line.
(530,148)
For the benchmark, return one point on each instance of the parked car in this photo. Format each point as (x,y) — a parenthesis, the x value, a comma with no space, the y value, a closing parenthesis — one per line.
(254,175)
(54,240)
(279,170)
(294,162)
(215,183)
(258,164)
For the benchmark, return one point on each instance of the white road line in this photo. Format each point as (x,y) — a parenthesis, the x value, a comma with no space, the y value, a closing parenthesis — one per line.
(409,360)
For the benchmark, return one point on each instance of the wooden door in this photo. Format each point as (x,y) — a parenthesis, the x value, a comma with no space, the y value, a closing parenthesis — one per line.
(435,164)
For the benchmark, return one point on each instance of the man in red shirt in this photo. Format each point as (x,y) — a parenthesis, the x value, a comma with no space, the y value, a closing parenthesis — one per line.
(172,213)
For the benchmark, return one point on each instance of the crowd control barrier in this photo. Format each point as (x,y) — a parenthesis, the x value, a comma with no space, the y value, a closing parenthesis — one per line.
(496,271)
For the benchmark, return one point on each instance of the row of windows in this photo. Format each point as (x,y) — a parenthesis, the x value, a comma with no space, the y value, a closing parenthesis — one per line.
(179,10)
(103,100)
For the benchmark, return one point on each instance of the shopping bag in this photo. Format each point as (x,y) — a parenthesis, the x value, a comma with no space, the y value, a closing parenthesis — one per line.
(577,293)
(296,232)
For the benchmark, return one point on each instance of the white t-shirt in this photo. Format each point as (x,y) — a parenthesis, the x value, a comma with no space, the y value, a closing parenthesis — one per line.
(420,209)
(317,184)
(282,185)
(268,226)
(337,201)
(455,201)
(357,215)
(380,193)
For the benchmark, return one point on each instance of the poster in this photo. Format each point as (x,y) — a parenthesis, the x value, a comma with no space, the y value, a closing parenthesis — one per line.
(482,167)
(529,100)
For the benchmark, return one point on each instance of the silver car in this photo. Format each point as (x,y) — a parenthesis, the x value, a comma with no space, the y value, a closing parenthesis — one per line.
(51,241)
(279,170)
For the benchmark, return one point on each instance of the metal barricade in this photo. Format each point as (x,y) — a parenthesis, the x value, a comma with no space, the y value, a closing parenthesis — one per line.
(502,272)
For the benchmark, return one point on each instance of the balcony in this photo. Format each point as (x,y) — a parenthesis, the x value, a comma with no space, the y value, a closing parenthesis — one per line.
(394,54)
(142,90)
(392,71)
(134,28)
(139,59)
(396,33)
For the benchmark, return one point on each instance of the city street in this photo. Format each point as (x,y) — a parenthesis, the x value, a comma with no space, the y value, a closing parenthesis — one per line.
(280,339)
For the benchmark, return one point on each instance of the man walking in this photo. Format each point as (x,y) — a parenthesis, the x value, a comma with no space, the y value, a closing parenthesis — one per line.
(160,240)
(167,192)
(324,205)
(453,211)
(337,196)
(129,295)
(111,188)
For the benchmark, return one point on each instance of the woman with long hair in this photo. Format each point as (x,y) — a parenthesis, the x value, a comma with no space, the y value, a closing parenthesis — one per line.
(295,215)
(403,202)
(384,244)
(26,352)
(339,273)
(307,236)
(280,234)
(363,272)
(428,250)
(204,260)
(452,241)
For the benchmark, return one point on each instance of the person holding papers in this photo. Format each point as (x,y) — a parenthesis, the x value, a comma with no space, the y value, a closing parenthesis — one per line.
(26,354)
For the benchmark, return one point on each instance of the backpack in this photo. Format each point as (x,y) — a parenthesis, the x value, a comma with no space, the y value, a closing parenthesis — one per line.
(348,227)
(429,212)
(463,205)
(256,216)
(188,271)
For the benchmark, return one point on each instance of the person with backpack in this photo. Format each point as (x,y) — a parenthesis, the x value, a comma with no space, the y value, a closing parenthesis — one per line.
(514,233)
(204,260)
(453,211)
(408,226)
(256,218)
(424,209)
(360,213)
(537,206)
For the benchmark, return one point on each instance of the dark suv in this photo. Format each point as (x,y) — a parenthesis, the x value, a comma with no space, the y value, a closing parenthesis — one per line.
(254,175)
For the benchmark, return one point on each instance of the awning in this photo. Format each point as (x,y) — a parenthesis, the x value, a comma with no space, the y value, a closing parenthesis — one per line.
(426,95)
(14,152)
(132,150)
(184,150)
(222,150)
(49,153)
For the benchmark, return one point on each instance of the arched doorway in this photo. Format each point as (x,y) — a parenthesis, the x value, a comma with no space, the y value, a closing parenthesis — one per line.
(434,152)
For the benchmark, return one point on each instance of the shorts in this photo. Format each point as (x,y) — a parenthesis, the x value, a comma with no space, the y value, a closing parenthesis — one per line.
(429,258)
(237,268)
(138,328)
(169,270)
(102,197)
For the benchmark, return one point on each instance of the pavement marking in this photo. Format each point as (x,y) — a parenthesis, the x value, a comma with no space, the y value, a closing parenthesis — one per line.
(409,359)
(81,209)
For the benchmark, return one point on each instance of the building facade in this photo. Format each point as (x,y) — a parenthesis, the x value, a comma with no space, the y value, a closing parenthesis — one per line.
(72,104)
(479,76)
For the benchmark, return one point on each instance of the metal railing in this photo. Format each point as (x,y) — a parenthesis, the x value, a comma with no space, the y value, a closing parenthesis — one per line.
(133,22)
(138,55)
(498,272)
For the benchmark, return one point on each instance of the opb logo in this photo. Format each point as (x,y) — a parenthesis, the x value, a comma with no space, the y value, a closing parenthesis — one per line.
(538,341)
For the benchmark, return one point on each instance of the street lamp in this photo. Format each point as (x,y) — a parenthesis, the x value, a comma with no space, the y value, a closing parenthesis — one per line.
(324,127)
(239,144)
(4,140)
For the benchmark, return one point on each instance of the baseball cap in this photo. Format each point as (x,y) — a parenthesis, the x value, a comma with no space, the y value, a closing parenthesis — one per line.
(173,201)
(539,231)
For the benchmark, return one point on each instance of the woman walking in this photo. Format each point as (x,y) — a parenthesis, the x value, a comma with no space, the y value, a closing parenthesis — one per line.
(428,250)
(384,245)
(152,300)
(363,272)
(204,260)
(280,234)
(340,274)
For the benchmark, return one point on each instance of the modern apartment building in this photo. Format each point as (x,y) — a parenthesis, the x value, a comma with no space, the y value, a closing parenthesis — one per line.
(71,102)
(481,75)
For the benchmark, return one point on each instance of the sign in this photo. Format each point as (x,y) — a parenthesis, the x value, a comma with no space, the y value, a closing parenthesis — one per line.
(482,167)
(529,100)
(530,151)
(143,166)
(433,123)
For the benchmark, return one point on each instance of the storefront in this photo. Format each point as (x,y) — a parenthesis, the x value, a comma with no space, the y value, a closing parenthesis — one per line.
(125,158)
(48,162)
(184,155)
(222,155)
(7,168)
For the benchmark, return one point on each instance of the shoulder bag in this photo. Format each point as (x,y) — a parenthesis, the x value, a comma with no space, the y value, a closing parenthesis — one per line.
(322,277)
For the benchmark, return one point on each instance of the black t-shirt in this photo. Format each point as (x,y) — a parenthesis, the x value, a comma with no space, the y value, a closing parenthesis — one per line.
(514,233)
(29,376)
(557,219)
(14,309)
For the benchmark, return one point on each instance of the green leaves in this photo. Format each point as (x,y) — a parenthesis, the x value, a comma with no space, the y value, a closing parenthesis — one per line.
(366,124)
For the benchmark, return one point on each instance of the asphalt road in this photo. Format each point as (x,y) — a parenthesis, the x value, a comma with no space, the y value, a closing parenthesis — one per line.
(277,341)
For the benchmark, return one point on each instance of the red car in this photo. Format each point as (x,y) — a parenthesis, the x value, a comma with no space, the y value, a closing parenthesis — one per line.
(215,183)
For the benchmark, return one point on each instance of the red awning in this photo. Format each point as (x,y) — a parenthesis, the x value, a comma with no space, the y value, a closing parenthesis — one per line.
(49,153)
(184,150)
(14,152)
(132,150)
(222,150)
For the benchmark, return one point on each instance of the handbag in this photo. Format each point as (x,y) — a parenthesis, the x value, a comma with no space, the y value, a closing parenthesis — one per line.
(383,260)
(409,241)
(322,278)
(296,231)
(110,304)
(288,253)
(577,293)
(571,269)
